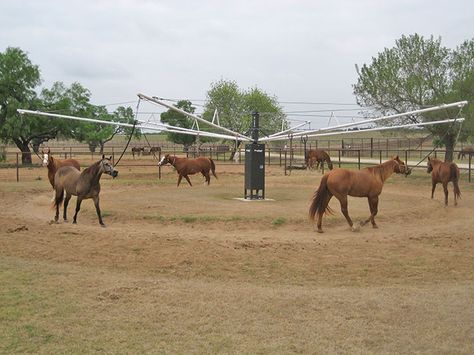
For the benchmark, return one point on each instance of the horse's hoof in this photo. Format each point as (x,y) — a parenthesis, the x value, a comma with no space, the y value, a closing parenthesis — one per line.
(355,229)
(74,222)
(375,226)
(320,231)
(362,223)
(102,225)
(65,220)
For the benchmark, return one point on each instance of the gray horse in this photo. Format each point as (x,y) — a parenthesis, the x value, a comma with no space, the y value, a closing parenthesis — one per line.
(83,184)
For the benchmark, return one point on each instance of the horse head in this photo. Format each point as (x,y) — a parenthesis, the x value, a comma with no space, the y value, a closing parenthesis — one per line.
(107,167)
(46,157)
(166,159)
(400,167)
(429,166)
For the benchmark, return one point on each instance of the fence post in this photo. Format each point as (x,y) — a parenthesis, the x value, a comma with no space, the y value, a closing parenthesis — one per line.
(339,157)
(358,157)
(470,160)
(380,156)
(159,166)
(17,169)
(406,157)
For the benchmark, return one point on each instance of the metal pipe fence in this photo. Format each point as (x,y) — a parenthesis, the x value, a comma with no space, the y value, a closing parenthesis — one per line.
(279,156)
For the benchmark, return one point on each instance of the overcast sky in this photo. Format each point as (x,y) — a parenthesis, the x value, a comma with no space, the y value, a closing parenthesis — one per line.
(294,50)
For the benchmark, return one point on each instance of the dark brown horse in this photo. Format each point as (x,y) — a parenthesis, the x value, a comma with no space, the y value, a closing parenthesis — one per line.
(444,172)
(367,182)
(54,164)
(185,167)
(465,151)
(137,151)
(83,184)
(317,156)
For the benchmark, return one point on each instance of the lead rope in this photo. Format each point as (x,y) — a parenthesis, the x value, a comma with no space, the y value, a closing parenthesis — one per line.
(131,133)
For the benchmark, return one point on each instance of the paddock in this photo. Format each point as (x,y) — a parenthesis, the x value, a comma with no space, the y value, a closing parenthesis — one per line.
(193,269)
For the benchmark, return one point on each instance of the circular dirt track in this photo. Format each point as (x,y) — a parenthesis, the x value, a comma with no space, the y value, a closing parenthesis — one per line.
(192,269)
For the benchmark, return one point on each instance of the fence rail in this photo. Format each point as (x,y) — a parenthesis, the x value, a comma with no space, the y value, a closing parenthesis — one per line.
(288,158)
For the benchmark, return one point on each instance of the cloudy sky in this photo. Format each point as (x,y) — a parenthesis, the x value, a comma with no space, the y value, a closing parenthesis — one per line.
(294,50)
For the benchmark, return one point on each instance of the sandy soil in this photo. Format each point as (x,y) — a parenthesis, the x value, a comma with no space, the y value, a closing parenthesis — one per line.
(195,270)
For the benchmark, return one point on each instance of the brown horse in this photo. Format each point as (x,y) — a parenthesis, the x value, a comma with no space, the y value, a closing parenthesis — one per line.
(185,167)
(319,156)
(54,164)
(367,182)
(444,172)
(83,184)
(465,151)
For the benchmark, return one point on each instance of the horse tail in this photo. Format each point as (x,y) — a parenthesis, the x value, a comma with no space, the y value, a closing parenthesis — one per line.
(320,203)
(454,177)
(213,168)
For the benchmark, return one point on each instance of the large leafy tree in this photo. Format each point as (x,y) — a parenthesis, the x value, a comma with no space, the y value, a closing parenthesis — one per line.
(177,119)
(419,72)
(235,108)
(18,80)
(97,135)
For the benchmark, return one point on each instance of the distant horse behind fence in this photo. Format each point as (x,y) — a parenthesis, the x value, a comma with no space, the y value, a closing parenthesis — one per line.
(465,151)
(317,156)
(54,164)
(444,172)
(137,151)
(84,185)
(340,183)
(185,167)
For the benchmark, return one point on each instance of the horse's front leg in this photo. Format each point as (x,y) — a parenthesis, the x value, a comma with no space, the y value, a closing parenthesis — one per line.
(187,179)
(179,179)
(433,187)
(97,209)
(445,188)
(373,206)
(78,208)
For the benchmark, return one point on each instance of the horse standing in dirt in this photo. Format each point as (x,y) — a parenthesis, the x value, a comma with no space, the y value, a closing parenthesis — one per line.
(54,164)
(340,183)
(137,151)
(185,167)
(319,156)
(83,184)
(465,151)
(444,172)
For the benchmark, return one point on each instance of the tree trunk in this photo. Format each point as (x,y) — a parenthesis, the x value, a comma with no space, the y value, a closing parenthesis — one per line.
(449,142)
(26,152)
(234,150)
(101,144)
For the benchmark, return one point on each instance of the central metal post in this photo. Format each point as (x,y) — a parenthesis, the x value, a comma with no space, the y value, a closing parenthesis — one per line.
(255,164)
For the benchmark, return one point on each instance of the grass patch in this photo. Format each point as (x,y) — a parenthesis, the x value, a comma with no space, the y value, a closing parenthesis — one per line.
(279,221)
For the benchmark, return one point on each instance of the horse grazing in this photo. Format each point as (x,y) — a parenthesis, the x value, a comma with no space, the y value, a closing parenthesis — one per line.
(83,184)
(185,167)
(465,151)
(444,172)
(367,182)
(54,164)
(319,156)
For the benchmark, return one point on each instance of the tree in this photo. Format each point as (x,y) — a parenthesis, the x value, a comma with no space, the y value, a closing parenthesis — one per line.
(97,135)
(420,72)
(235,108)
(18,80)
(177,119)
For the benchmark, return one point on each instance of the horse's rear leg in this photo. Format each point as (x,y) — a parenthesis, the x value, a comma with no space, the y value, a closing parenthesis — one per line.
(207,177)
(66,202)
(343,201)
(321,212)
(179,179)
(78,208)
(97,209)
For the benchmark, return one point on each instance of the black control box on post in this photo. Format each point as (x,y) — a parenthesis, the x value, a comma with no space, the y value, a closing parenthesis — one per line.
(255,171)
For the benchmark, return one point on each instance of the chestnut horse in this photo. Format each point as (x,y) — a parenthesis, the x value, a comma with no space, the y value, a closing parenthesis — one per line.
(319,156)
(185,167)
(54,164)
(367,182)
(83,184)
(444,172)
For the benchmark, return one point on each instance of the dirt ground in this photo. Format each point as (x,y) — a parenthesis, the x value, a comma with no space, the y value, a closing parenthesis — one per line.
(194,270)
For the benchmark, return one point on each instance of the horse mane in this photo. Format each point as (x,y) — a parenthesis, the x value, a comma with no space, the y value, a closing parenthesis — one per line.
(93,169)
(383,169)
